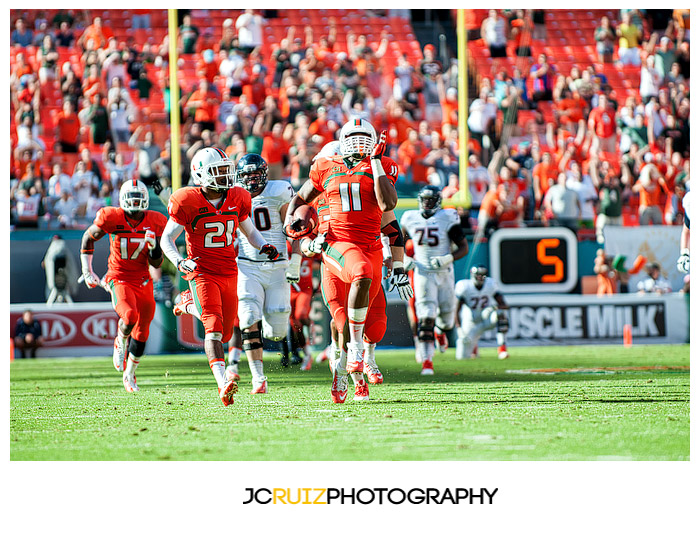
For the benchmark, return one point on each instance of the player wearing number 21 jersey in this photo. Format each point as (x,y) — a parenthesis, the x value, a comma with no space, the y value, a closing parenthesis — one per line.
(210,214)
(133,235)
(359,187)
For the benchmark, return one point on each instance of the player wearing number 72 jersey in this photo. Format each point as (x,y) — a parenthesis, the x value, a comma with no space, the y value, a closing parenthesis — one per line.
(133,233)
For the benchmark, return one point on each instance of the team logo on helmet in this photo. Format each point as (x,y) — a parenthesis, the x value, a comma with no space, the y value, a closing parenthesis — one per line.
(357,139)
(211,168)
(133,197)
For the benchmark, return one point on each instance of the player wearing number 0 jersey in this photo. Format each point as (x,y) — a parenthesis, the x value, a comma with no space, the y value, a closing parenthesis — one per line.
(359,188)
(480,307)
(263,290)
(210,214)
(433,231)
(133,235)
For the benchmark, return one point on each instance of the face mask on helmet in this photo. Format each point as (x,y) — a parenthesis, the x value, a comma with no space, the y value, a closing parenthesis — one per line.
(251,173)
(211,168)
(357,139)
(429,201)
(133,197)
(479,274)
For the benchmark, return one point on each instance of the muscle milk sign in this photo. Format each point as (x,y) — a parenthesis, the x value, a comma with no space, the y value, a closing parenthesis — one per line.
(589,319)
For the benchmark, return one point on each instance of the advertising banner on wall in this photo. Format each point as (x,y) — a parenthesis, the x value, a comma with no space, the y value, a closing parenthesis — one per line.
(658,243)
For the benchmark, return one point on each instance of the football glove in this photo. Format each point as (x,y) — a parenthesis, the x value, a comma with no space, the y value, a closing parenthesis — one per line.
(683,263)
(399,281)
(316,245)
(441,261)
(292,272)
(270,251)
(150,239)
(91,279)
(380,146)
(187,266)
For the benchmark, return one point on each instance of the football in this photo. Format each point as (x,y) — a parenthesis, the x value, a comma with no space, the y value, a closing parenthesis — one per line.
(304,222)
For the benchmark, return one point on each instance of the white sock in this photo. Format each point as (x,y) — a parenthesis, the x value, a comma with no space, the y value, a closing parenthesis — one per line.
(369,353)
(131,364)
(501,338)
(427,349)
(256,369)
(357,377)
(307,351)
(219,371)
(122,338)
(234,355)
(342,361)
(356,320)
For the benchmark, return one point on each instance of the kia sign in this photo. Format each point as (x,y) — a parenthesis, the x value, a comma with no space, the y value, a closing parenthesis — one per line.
(72,330)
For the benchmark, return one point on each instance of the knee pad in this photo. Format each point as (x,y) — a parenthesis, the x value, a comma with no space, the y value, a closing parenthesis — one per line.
(213,336)
(252,340)
(425,330)
(136,348)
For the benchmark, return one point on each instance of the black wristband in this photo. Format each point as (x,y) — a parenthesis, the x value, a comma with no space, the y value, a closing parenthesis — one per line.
(156,252)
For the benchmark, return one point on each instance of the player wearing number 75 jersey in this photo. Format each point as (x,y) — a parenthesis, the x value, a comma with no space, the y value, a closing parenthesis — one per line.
(480,307)
(434,230)
(210,214)
(133,235)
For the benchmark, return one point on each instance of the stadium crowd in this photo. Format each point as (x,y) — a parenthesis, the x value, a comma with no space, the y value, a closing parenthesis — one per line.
(548,145)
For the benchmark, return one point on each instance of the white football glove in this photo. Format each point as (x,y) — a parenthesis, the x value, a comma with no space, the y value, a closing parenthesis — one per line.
(292,272)
(150,239)
(399,280)
(441,261)
(683,263)
(316,245)
(187,266)
(91,279)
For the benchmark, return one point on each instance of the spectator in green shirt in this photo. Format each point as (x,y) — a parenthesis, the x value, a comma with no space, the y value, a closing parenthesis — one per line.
(188,36)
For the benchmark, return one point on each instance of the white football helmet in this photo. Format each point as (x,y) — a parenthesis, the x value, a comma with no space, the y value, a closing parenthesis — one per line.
(212,168)
(331,148)
(357,139)
(133,196)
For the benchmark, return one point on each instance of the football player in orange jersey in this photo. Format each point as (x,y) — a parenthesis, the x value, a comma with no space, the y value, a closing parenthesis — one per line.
(359,188)
(133,233)
(210,214)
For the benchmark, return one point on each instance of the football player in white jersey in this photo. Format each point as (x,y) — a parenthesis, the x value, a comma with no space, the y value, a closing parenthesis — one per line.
(480,307)
(434,230)
(263,287)
(683,263)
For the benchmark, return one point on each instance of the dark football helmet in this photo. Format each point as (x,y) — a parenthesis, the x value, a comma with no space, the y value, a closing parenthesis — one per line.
(429,200)
(251,173)
(479,273)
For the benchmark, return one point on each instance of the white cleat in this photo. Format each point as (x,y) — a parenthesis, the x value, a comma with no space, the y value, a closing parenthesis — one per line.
(427,369)
(260,388)
(130,383)
(361,391)
(232,373)
(323,355)
(306,363)
(355,358)
(119,355)
(227,391)
(502,352)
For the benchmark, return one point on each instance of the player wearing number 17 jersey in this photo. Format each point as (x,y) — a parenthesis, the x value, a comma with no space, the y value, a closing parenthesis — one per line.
(133,235)
(210,214)
(359,188)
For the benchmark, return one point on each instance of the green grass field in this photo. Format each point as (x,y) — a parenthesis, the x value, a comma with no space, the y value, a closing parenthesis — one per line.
(77,409)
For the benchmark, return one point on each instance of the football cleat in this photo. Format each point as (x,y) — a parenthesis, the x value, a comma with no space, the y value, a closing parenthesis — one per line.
(227,391)
(339,388)
(361,391)
(427,369)
(306,363)
(130,383)
(374,375)
(296,359)
(259,388)
(182,301)
(232,373)
(323,356)
(502,352)
(441,340)
(119,355)
(355,359)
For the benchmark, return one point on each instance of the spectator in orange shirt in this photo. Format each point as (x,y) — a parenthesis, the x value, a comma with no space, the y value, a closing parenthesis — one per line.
(21,68)
(207,67)
(648,186)
(67,126)
(544,175)
(397,119)
(410,157)
(206,106)
(323,126)
(92,85)
(254,87)
(96,32)
(569,110)
(274,150)
(601,122)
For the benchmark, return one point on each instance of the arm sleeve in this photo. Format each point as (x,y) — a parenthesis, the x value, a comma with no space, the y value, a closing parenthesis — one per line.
(252,234)
(167,242)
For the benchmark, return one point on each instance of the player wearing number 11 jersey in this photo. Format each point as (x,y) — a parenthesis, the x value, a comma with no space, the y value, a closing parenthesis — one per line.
(133,235)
